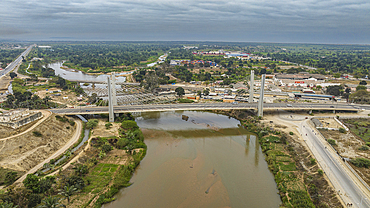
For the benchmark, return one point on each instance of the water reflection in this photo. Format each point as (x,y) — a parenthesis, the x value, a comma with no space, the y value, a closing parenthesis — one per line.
(202,162)
(74,75)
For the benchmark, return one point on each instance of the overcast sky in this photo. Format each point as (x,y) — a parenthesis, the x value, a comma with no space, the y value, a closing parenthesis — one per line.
(309,21)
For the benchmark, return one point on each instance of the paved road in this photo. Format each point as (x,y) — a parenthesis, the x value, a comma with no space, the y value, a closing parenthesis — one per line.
(333,168)
(12,65)
(208,106)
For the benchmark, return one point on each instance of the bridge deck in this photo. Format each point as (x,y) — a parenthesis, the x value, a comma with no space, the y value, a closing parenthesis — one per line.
(210,106)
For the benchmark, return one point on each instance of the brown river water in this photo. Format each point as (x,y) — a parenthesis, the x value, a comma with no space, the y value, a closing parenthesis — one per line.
(206,160)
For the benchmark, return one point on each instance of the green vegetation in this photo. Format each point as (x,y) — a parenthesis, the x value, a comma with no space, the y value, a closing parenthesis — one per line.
(9,178)
(185,101)
(364,148)
(8,56)
(22,98)
(331,141)
(342,130)
(37,134)
(92,178)
(360,127)
(102,57)
(108,125)
(361,162)
(180,91)
(297,187)
(92,123)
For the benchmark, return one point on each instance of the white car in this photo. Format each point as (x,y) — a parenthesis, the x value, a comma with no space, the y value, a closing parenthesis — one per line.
(289,105)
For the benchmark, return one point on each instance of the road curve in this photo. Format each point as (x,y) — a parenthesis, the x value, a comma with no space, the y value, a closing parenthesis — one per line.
(73,140)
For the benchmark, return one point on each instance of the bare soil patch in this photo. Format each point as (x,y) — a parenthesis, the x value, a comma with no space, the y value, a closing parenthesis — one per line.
(101,131)
(7,131)
(330,123)
(24,152)
(348,146)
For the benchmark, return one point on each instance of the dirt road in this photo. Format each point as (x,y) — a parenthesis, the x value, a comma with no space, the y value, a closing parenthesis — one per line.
(73,140)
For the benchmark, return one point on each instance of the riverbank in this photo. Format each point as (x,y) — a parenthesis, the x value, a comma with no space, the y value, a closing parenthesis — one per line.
(98,172)
(300,181)
(70,67)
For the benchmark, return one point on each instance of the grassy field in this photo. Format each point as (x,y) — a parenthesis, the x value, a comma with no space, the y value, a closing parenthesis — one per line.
(360,127)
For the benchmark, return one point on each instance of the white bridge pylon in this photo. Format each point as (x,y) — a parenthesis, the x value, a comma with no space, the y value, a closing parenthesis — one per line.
(262,91)
(112,99)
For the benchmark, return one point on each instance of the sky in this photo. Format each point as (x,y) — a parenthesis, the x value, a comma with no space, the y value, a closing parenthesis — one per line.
(282,21)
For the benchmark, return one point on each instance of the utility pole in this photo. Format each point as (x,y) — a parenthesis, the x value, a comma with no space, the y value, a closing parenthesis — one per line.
(110,101)
(262,91)
(251,87)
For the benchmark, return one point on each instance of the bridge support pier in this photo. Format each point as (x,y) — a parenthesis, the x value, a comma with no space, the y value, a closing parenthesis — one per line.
(262,91)
(251,87)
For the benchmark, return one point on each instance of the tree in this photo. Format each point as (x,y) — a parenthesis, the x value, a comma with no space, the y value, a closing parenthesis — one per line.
(93,98)
(46,100)
(32,183)
(67,192)
(92,123)
(106,148)
(12,75)
(240,92)
(108,125)
(180,91)
(51,202)
(363,82)
(80,169)
(334,90)
(361,87)
(337,75)
(7,205)
(199,93)
(206,92)
(151,81)
(10,177)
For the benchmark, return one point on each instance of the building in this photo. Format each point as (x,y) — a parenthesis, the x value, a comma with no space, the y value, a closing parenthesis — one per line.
(19,117)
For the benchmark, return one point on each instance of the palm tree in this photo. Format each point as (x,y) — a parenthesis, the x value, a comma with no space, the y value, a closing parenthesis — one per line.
(7,205)
(51,202)
(46,99)
(68,191)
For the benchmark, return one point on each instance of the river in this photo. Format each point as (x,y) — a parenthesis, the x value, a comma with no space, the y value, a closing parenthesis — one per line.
(207,160)
(75,75)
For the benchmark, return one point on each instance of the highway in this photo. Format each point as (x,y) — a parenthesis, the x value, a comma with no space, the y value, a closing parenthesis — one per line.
(207,106)
(12,65)
(333,167)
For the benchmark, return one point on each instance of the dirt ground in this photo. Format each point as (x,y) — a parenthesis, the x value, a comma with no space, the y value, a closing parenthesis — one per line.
(348,144)
(7,131)
(330,123)
(71,97)
(24,152)
(101,131)
(4,83)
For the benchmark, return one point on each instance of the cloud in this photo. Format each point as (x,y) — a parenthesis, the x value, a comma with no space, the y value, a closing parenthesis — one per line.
(239,20)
